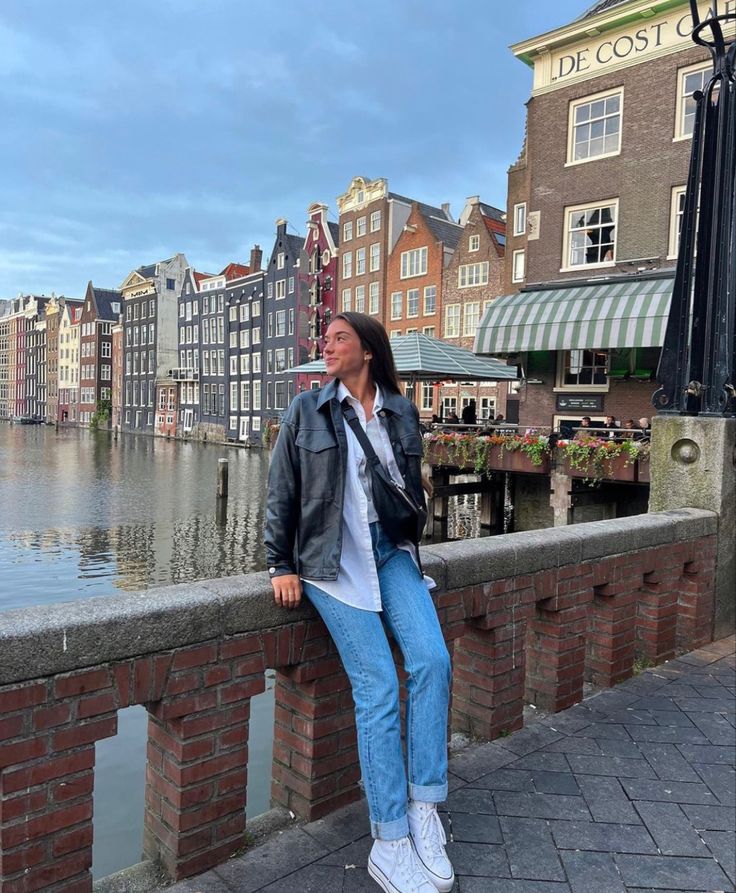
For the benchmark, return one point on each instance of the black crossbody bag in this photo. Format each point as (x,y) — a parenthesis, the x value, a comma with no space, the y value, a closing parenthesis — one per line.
(401,516)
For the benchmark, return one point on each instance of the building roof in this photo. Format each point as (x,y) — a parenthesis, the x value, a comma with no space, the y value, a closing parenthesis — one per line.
(427,210)
(602,6)
(492,213)
(106,298)
(444,231)
(294,243)
(334,232)
(235,271)
(148,271)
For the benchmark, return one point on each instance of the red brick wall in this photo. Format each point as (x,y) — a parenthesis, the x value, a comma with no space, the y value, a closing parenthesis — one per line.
(542,632)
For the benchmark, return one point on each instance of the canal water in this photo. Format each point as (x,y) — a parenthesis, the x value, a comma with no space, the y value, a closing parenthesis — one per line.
(83,515)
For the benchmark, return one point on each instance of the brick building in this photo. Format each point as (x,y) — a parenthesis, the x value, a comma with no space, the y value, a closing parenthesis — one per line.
(371,221)
(475,270)
(321,250)
(117,374)
(4,372)
(594,208)
(100,311)
(69,328)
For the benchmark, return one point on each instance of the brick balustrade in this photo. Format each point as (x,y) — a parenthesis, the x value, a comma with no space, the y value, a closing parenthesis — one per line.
(527,616)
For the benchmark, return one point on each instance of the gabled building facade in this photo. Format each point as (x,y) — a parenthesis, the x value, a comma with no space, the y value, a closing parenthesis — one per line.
(321,278)
(101,309)
(245,320)
(473,277)
(70,315)
(594,210)
(150,306)
(286,296)
(117,374)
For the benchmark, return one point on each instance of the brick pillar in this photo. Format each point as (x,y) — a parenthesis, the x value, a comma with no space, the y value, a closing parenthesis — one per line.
(315,751)
(612,627)
(556,643)
(656,619)
(696,599)
(198,753)
(47,755)
(488,678)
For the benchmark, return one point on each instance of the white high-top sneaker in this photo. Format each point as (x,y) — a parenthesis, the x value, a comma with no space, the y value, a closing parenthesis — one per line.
(394,866)
(428,837)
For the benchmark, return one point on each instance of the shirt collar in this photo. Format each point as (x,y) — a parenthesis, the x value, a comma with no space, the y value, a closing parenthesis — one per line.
(343,392)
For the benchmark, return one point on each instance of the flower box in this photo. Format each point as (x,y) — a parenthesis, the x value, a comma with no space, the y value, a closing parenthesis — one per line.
(614,468)
(476,454)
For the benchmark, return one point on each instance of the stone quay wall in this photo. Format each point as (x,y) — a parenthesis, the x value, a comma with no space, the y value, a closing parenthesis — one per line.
(527,616)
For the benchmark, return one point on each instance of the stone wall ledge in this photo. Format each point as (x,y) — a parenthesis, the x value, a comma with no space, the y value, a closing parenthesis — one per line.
(46,640)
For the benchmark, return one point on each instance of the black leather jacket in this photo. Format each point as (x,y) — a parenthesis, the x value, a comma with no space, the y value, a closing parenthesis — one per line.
(306,480)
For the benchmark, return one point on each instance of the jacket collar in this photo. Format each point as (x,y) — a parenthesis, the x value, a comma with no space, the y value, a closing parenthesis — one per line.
(393,403)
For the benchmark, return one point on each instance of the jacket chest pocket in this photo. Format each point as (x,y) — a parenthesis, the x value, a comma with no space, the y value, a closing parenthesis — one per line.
(319,459)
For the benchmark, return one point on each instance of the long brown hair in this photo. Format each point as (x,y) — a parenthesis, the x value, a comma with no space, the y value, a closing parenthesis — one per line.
(374,339)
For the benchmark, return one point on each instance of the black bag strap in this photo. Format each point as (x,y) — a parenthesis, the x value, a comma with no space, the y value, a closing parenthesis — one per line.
(363,439)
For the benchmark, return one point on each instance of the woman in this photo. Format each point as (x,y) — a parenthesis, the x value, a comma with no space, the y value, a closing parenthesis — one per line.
(324,538)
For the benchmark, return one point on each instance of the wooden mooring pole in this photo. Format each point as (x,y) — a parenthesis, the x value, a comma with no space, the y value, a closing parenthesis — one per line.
(222,478)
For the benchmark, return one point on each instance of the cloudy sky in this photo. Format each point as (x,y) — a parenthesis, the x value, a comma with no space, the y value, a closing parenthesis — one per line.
(136,129)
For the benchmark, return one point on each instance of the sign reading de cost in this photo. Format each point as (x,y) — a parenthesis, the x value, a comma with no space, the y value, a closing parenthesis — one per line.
(635,43)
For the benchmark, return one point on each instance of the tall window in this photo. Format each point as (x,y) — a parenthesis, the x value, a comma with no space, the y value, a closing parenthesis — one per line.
(595,127)
(518,266)
(373,298)
(360,227)
(412,302)
(591,235)
(360,298)
(347,265)
(689,79)
(452,321)
(472,318)
(281,289)
(413,263)
(472,274)
(430,300)
(375,221)
(346,300)
(396,300)
(676,211)
(520,219)
(347,231)
(427,395)
(375,263)
(474,243)
(360,262)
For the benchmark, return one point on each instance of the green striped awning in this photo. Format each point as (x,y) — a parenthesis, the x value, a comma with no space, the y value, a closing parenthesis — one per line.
(599,316)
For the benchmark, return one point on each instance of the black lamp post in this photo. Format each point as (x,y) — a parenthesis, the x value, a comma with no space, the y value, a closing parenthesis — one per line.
(697,367)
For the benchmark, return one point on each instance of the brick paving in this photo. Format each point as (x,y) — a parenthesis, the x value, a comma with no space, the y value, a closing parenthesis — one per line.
(631,791)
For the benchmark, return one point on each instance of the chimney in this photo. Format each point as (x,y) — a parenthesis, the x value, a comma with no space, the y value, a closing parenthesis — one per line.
(446,210)
(280,226)
(256,256)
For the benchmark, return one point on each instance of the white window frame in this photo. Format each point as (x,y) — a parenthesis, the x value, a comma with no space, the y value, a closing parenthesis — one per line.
(280,260)
(676,212)
(360,298)
(561,387)
(415,293)
(588,100)
(474,242)
(375,221)
(425,305)
(482,268)
(427,396)
(347,231)
(682,73)
(373,298)
(347,299)
(414,262)
(471,320)
(576,209)
(397,300)
(453,313)
(360,261)
(520,219)
(347,265)
(518,265)
(375,257)
(361,227)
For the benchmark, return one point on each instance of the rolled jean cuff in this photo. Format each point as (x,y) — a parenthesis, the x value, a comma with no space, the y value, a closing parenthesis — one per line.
(390,830)
(435,793)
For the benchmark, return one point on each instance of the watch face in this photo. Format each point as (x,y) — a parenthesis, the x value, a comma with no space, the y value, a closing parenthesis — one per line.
(325,257)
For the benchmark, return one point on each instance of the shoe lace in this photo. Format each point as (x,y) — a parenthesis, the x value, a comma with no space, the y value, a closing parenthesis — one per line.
(433,833)
(409,866)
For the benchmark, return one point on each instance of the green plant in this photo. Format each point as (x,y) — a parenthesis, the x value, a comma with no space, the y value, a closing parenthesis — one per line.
(595,455)
(270,431)
(101,414)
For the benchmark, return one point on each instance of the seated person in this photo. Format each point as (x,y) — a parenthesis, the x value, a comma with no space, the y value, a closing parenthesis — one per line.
(453,418)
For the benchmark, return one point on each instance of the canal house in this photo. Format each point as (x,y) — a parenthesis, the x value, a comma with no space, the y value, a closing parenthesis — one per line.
(245,301)
(594,208)
(150,308)
(321,247)
(69,327)
(100,311)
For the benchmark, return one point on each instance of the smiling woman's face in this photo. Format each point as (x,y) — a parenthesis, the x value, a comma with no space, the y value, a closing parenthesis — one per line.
(344,354)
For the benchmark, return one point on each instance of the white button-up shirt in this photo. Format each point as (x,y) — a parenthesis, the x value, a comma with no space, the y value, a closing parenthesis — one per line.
(357,579)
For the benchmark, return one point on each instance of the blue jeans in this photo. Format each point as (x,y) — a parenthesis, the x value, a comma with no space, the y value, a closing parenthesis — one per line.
(360,638)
